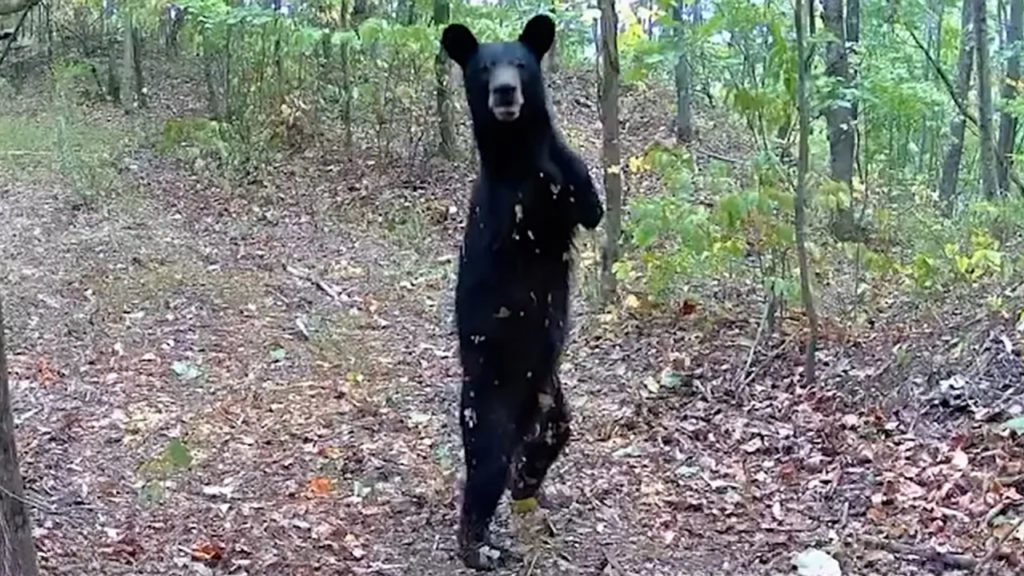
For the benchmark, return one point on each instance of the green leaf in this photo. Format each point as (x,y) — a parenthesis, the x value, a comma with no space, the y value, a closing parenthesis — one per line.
(1015,424)
(178,454)
(278,354)
(186,370)
(671,379)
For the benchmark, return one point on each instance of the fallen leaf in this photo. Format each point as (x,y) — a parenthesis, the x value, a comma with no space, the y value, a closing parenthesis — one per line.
(960,459)
(321,485)
(207,552)
(814,562)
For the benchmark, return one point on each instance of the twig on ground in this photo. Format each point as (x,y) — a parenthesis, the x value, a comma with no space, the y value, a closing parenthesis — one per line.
(718,156)
(996,511)
(741,377)
(948,559)
(768,360)
(998,547)
(532,564)
(328,289)
(611,561)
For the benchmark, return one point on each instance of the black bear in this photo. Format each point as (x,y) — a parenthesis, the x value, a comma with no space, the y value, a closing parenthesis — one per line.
(512,293)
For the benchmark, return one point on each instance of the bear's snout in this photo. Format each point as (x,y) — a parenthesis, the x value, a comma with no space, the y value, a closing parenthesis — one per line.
(506,93)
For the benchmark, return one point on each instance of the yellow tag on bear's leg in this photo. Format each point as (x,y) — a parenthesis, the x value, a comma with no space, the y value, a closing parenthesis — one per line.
(525,505)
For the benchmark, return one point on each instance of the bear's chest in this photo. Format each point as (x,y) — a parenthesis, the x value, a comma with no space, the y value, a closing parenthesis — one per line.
(538,223)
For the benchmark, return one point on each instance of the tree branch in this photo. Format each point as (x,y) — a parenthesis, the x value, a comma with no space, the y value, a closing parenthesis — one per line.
(14,6)
(961,106)
(28,6)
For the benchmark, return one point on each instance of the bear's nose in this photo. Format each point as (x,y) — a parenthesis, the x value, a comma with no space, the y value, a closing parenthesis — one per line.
(504,94)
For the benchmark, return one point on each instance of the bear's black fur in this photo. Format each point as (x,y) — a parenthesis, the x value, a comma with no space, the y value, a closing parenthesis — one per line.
(512,295)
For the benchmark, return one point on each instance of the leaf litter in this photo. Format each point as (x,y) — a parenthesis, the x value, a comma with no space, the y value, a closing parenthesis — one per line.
(226,384)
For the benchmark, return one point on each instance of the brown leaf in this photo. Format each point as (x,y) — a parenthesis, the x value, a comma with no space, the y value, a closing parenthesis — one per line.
(320,485)
(207,552)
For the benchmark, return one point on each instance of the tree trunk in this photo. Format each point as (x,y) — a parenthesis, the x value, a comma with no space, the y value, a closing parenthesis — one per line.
(442,68)
(1007,92)
(346,72)
(839,116)
(610,145)
(957,125)
(989,180)
(110,30)
(933,41)
(139,81)
(684,80)
(127,59)
(801,200)
(852,40)
(17,552)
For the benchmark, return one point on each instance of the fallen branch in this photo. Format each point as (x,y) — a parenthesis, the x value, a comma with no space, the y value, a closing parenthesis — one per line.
(998,547)
(946,559)
(327,288)
(768,360)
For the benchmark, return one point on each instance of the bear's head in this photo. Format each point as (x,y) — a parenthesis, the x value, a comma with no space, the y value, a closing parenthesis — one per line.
(503,80)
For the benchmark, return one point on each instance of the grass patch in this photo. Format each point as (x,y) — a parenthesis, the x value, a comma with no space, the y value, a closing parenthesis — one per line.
(153,287)
(75,151)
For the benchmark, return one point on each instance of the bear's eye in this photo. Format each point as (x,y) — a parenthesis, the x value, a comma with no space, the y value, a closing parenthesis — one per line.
(520,64)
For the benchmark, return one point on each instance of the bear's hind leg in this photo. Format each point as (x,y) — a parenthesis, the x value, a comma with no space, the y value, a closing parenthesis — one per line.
(542,447)
(489,440)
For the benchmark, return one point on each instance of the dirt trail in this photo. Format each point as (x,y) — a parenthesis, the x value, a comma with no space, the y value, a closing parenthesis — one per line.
(102,306)
(304,352)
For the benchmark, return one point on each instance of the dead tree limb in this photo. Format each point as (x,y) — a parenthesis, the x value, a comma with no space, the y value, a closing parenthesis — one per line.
(14,35)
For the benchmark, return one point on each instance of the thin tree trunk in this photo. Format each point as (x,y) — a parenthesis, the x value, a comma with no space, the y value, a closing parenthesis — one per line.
(933,30)
(989,180)
(110,30)
(964,68)
(139,80)
(346,73)
(803,108)
(127,66)
(17,551)
(610,145)
(1007,92)
(442,68)
(684,80)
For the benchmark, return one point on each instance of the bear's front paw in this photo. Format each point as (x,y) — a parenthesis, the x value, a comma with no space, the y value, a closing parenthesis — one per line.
(587,207)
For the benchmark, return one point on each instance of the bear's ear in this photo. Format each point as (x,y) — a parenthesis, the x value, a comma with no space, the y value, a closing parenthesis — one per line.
(539,34)
(459,43)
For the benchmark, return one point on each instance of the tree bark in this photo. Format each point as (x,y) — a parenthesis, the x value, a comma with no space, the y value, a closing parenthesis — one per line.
(800,210)
(110,30)
(957,125)
(1007,92)
(989,180)
(138,80)
(17,551)
(684,80)
(442,69)
(839,115)
(347,12)
(127,58)
(611,153)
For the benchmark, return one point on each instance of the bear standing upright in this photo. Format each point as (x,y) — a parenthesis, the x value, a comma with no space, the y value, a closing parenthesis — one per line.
(512,294)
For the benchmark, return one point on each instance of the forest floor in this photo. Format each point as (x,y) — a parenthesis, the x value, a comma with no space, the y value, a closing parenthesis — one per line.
(295,334)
